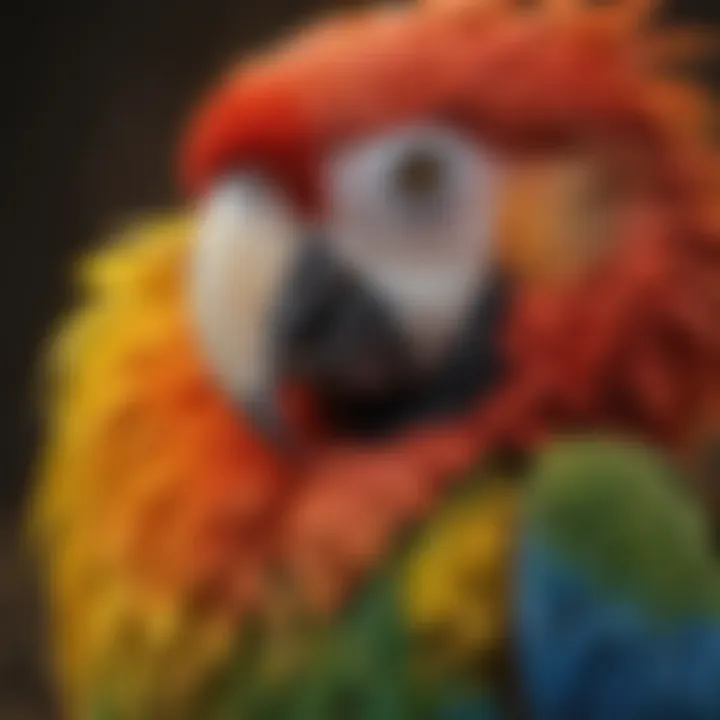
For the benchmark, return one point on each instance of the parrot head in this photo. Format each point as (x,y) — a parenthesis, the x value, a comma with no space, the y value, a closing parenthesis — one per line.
(382,199)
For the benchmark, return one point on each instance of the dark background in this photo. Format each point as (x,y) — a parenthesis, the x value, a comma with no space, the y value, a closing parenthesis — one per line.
(94,96)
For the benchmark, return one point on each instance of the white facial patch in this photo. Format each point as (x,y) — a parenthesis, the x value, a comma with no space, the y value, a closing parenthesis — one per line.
(247,241)
(412,212)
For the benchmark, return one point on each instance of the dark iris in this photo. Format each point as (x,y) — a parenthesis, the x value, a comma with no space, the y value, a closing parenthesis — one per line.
(419,176)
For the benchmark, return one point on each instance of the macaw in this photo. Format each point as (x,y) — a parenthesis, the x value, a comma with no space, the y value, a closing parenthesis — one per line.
(401,417)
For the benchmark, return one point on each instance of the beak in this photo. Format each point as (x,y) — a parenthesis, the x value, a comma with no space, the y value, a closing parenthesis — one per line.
(275,310)
(272,308)
(333,334)
(247,241)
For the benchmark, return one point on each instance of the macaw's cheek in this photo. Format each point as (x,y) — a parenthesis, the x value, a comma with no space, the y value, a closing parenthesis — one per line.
(560,216)
(412,212)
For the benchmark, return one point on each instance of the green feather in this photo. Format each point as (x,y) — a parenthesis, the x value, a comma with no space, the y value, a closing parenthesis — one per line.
(619,512)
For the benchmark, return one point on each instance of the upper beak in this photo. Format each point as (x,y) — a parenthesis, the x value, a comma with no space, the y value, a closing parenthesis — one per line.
(247,242)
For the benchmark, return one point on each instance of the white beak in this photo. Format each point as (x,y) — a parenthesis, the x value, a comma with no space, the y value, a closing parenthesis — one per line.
(247,240)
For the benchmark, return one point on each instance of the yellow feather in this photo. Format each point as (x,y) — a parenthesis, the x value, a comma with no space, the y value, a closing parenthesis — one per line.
(115,631)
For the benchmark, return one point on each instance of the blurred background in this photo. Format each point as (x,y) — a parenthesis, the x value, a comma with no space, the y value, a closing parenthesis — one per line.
(95,96)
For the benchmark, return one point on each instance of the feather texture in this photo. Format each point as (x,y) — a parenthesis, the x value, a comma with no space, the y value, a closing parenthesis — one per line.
(618,589)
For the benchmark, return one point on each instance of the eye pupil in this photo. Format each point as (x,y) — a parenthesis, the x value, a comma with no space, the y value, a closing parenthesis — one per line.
(419,175)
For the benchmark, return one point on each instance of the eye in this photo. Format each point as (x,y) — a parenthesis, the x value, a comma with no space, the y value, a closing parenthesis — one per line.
(419,181)
(424,185)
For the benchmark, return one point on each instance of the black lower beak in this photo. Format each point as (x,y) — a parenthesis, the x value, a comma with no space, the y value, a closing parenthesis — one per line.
(333,335)
(335,338)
